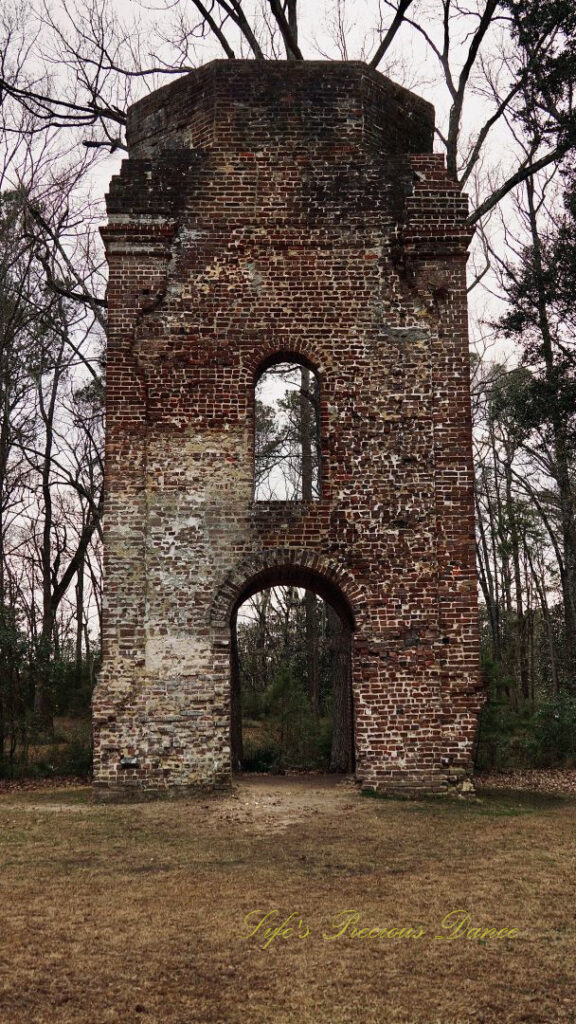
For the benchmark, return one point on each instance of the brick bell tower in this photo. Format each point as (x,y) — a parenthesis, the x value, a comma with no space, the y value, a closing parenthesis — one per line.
(288,211)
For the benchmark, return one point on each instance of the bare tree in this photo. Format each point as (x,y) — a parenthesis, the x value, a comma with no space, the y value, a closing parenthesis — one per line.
(487,56)
(51,402)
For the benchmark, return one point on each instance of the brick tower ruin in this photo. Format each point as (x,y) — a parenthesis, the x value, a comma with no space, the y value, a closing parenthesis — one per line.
(295,211)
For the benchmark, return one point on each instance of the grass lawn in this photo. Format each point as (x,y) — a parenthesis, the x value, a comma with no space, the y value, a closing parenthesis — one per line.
(138,913)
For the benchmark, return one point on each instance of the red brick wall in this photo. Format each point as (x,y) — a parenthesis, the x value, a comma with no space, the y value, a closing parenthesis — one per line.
(293,208)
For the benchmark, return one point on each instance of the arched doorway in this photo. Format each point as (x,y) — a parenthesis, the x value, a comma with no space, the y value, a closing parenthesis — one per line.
(291,692)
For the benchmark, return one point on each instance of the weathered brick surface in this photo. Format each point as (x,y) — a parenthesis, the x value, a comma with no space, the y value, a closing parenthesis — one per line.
(274,209)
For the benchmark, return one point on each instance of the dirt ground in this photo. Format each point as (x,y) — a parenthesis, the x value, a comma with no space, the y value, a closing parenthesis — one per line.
(292,899)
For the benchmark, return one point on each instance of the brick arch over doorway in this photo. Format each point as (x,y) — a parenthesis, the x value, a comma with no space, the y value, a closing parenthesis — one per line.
(292,567)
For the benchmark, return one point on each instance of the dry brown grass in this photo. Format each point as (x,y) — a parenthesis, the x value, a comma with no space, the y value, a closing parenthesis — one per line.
(136,913)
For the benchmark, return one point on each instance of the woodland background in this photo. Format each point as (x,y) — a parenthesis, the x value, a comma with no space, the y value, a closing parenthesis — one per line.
(501,74)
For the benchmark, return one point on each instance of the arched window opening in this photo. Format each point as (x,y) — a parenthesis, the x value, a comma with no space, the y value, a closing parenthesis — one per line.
(291,683)
(287,434)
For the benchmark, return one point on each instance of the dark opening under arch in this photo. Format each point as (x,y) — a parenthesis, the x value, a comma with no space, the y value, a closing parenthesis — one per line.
(319,690)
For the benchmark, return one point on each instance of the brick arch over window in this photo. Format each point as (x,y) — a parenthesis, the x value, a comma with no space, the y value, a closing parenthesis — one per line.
(267,354)
(291,567)
(286,356)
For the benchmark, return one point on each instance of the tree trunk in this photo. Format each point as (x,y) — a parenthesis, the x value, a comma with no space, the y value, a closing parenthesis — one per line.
(312,651)
(522,671)
(236,746)
(79,621)
(306,434)
(342,753)
(306,416)
(560,433)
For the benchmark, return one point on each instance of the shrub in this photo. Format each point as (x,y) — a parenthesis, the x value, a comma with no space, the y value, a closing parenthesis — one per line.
(553,732)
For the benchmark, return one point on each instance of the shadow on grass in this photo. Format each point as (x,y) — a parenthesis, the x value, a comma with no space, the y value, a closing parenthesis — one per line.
(77,794)
(491,803)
